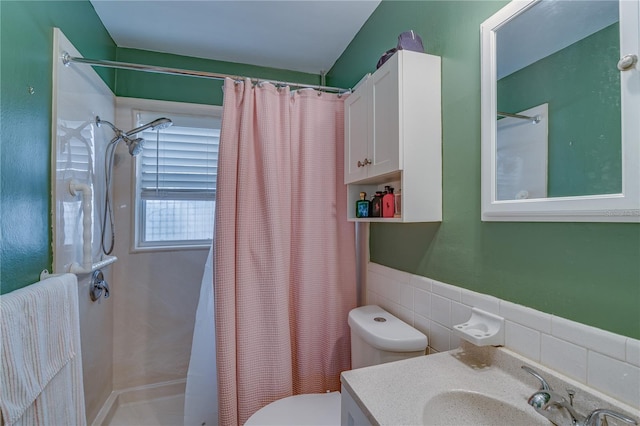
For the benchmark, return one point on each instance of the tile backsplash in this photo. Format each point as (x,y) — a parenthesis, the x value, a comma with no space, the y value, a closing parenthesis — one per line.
(600,359)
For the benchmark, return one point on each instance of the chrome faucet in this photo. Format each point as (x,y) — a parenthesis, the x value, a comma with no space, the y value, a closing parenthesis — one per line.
(546,402)
(543,383)
(599,417)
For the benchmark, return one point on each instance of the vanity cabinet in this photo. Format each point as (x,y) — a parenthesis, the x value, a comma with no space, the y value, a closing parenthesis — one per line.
(350,412)
(393,136)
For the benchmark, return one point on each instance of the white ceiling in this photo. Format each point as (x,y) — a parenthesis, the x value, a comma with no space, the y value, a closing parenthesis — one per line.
(299,35)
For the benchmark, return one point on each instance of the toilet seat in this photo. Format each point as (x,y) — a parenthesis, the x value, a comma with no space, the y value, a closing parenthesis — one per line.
(298,410)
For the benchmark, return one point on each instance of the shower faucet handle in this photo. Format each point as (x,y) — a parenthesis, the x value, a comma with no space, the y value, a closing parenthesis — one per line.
(98,286)
(105,287)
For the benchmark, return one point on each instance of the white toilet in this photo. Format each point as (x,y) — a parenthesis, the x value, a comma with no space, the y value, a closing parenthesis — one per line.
(376,337)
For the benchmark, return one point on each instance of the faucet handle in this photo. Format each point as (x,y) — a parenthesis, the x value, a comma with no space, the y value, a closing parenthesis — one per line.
(543,383)
(599,417)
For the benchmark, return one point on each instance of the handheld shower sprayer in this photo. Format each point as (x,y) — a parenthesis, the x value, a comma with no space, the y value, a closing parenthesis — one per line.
(157,124)
(135,146)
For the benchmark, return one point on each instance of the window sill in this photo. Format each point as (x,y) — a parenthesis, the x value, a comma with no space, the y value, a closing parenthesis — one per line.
(152,249)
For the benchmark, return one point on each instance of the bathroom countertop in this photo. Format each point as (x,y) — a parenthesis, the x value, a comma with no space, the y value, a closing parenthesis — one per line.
(397,393)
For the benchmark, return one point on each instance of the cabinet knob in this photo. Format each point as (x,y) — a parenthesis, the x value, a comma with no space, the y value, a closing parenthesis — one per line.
(366,162)
(627,62)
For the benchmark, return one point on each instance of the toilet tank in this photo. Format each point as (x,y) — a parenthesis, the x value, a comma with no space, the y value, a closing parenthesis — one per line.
(378,337)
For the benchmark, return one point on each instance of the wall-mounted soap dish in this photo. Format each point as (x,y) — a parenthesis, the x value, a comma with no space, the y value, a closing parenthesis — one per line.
(482,329)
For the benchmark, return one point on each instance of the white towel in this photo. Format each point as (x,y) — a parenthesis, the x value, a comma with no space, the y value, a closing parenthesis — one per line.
(41,375)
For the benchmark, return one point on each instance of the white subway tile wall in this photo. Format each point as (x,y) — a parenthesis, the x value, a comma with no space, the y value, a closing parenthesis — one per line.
(633,352)
(603,360)
(612,376)
(565,357)
(523,340)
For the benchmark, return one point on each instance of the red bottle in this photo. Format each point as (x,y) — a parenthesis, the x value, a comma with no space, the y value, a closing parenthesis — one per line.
(388,202)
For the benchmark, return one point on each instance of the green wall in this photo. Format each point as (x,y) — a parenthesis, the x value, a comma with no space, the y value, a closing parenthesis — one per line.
(583,92)
(26,39)
(165,87)
(587,272)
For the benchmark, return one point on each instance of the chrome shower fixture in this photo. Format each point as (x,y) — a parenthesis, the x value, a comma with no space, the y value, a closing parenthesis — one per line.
(135,146)
(114,128)
(157,124)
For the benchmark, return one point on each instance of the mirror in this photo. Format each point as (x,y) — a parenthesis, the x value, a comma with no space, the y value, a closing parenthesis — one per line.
(560,121)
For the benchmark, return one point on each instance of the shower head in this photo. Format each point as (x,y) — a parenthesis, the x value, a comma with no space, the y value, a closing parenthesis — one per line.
(157,124)
(135,145)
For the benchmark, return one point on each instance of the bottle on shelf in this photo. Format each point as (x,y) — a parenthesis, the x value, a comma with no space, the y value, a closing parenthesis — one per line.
(362,206)
(388,202)
(398,203)
(376,205)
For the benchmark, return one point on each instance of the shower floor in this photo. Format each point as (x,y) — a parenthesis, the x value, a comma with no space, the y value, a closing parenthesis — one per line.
(164,411)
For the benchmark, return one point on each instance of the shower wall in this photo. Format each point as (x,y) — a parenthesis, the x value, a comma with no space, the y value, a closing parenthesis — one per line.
(158,290)
(521,155)
(78,154)
(142,334)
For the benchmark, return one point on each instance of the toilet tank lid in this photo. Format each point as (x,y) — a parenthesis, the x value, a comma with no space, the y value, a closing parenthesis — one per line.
(384,331)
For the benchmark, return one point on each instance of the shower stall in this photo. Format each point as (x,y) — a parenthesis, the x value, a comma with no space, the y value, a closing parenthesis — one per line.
(136,344)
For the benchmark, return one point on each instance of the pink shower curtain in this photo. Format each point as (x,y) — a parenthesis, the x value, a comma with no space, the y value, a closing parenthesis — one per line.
(284,252)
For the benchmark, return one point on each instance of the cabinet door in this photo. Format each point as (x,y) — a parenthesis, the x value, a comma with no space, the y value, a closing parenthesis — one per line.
(356,134)
(350,412)
(384,150)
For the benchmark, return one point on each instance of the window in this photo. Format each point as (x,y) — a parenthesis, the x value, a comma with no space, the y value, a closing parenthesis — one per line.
(176,181)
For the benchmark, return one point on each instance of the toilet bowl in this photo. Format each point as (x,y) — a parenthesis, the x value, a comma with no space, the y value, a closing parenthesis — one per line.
(376,337)
(303,410)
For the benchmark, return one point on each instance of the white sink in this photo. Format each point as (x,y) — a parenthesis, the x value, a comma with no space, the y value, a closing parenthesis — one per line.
(461,407)
(465,386)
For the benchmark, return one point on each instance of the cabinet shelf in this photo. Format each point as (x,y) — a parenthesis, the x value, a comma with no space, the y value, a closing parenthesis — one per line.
(377,219)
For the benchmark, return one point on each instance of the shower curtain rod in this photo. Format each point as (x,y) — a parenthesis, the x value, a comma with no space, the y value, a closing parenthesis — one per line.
(534,120)
(67,59)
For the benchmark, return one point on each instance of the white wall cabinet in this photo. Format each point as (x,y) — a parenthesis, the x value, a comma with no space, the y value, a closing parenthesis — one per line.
(393,136)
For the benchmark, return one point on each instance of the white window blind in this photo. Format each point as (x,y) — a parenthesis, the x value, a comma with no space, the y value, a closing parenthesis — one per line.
(177,173)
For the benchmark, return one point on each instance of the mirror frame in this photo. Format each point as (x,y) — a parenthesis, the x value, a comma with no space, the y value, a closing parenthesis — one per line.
(621,207)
